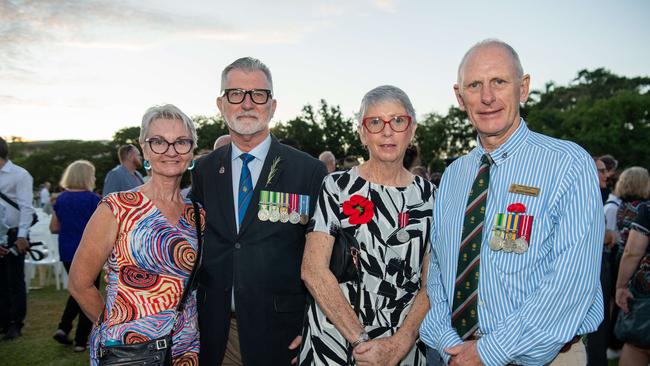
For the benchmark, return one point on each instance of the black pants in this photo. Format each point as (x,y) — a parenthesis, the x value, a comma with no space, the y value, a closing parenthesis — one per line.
(13,292)
(598,340)
(71,311)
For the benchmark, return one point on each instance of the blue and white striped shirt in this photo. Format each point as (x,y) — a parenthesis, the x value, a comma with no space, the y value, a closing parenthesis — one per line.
(529,304)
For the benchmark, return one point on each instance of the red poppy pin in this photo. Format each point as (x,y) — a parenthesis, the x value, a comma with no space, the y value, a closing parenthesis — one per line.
(359,209)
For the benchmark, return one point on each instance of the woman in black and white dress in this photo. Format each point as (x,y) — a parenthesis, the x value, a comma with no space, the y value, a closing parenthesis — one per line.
(389,211)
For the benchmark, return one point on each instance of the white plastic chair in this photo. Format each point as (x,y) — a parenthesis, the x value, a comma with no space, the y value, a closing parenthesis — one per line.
(41,232)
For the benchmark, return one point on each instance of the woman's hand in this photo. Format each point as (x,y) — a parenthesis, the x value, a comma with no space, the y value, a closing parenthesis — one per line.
(385,351)
(623,295)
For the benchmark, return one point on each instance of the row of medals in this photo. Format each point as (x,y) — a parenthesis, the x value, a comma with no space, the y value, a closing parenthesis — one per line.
(275,214)
(508,245)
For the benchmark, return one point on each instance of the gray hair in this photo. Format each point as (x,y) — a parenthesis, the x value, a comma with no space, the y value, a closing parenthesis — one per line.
(385,93)
(493,42)
(327,156)
(166,111)
(247,64)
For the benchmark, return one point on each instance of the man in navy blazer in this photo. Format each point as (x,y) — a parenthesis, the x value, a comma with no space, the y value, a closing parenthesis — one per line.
(258,195)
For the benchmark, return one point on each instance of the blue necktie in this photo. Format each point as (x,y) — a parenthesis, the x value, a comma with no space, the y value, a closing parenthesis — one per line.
(245,186)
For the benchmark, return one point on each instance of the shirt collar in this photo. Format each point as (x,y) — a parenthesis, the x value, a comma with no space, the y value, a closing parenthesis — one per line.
(509,148)
(8,167)
(259,152)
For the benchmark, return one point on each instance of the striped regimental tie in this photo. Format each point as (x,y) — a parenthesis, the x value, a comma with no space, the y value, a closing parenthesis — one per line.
(245,186)
(464,317)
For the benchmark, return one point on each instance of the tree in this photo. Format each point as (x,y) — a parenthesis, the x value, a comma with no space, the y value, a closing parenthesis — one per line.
(316,131)
(443,138)
(603,112)
(208,129)
(127,136)
(48,162)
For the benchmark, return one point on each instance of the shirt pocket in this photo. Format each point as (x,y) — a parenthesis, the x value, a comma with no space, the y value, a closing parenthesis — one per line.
(513,262)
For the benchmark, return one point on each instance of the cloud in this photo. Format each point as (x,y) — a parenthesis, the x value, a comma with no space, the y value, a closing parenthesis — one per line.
(28,26)
(388,6)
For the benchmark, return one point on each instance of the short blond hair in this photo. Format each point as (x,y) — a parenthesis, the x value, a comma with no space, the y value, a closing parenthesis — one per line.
(634,183)
(79,174)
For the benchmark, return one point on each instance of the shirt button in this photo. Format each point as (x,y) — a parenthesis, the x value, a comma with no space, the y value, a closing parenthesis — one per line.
(480,303)
(237,246)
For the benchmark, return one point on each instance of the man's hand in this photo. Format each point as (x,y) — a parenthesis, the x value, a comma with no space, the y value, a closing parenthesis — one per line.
(464,354)
(3,251)
(380,351)
(295,344)
(623,294)
(22,245)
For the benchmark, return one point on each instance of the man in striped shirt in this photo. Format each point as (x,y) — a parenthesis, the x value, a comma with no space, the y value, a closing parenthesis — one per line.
(538,284)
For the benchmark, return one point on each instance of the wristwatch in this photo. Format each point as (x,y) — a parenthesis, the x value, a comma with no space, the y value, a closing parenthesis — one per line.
(363,337)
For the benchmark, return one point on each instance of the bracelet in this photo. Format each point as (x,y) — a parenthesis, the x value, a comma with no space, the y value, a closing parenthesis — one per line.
(363,337)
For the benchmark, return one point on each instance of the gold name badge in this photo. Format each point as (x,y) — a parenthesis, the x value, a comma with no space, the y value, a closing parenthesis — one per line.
(525,190)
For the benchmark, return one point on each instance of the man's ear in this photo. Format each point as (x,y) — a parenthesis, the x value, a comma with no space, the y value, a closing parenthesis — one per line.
(274,104)
(525,84)
(220,104)
(459,97)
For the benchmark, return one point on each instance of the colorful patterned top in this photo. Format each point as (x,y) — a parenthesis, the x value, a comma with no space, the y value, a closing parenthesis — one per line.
(147,272)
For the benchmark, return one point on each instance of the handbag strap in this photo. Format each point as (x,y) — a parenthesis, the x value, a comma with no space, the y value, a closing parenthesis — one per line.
(9,201)
(197,262)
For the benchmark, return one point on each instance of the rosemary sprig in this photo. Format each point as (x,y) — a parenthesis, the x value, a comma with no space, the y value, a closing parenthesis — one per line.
(274,170)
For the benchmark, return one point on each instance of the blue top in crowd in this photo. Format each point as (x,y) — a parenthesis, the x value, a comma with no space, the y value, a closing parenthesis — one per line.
(73,209)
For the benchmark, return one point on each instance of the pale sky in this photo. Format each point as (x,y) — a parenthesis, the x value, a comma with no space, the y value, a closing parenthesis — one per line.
(82,69)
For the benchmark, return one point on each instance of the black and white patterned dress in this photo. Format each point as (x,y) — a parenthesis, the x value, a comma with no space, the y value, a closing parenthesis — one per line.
(391,269)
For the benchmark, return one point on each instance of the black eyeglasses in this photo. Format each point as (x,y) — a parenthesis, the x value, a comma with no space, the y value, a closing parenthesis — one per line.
(258,96)
(160,146)
(397,123)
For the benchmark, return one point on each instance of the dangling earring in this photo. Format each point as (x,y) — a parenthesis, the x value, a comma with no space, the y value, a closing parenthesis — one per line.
(146,164)
(191,165)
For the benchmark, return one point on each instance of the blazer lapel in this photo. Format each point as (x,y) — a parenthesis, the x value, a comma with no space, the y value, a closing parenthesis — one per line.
(253,207)
(223,183)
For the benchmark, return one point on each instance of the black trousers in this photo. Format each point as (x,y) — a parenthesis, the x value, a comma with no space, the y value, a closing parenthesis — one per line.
(597,341)
(70,312)
(13,292)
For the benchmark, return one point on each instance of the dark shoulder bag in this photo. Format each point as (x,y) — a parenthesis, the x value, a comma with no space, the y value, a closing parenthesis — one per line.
(343,262)
(157,352)
(634,327)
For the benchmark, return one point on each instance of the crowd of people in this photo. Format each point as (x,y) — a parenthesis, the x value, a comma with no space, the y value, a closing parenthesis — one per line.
(521,252)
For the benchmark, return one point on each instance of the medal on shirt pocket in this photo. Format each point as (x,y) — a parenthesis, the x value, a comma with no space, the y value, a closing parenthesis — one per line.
(512,231)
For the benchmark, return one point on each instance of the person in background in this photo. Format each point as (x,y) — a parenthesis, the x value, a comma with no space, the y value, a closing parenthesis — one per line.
(328,158)
(602,179)
(44,194)
(222,140)
(634,282)
(611,164)
(72,210)
(149,238)
(16,197)
(388,210)
(597,341)
(420,171)
(125,176)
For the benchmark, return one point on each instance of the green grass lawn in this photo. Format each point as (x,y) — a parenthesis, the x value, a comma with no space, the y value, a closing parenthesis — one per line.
(36,346)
